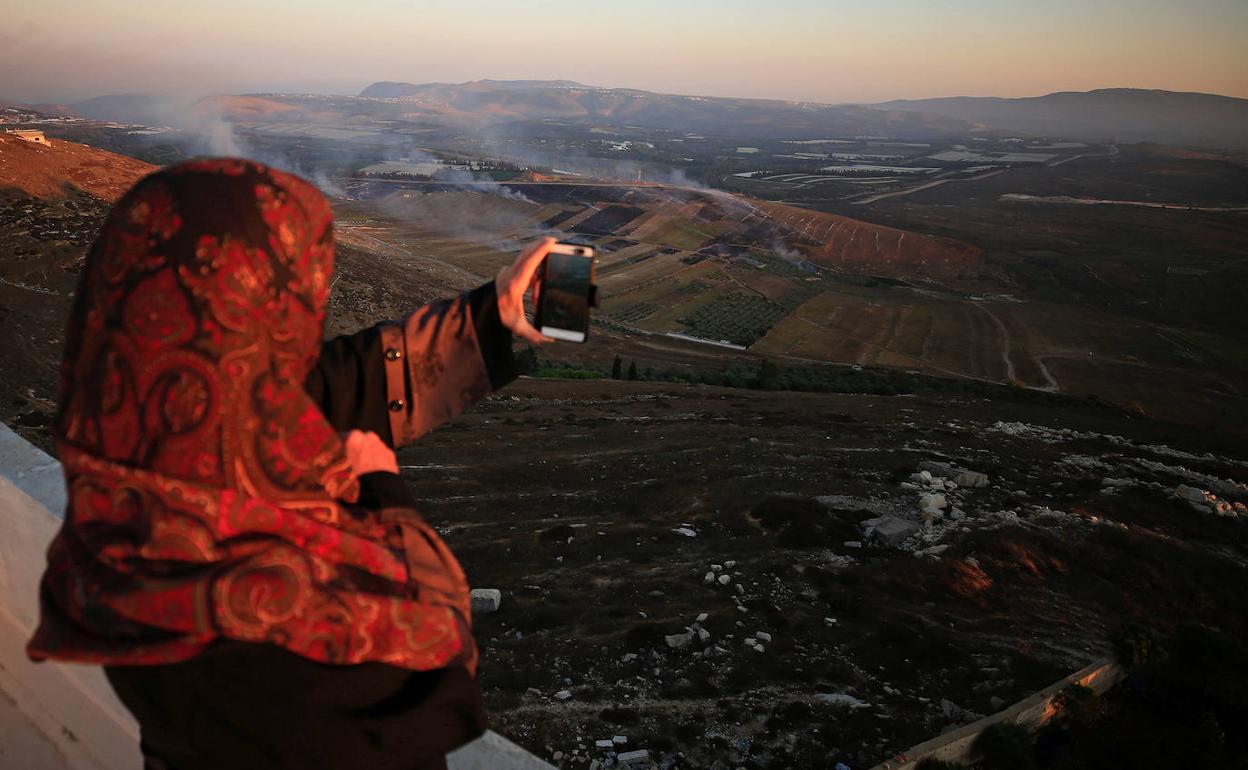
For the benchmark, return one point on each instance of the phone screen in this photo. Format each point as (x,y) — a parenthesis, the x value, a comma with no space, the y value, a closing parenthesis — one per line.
(564,314)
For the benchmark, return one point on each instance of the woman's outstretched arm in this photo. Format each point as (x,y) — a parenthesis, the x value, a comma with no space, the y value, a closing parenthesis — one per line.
(401,379)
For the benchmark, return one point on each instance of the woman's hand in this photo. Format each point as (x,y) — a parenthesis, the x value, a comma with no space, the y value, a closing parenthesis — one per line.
(367,453)
(513,282)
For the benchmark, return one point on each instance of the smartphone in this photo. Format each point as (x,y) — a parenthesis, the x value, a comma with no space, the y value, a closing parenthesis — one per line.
(567,292)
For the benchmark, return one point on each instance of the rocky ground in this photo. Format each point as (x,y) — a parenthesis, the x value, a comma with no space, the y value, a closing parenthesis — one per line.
(731,578)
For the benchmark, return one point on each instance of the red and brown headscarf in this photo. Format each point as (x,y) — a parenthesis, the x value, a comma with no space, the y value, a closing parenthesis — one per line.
(203,483)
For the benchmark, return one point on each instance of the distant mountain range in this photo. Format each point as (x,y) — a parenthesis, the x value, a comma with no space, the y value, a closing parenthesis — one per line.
(495,101)
(1127,114)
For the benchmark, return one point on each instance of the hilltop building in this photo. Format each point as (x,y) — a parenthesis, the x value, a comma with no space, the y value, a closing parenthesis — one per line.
(30,135)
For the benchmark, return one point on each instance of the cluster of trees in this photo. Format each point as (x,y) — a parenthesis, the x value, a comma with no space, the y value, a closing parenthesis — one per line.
(766,374)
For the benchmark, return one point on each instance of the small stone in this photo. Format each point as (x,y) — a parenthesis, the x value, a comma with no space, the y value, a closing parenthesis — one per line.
(704,636)
(619,740)
(889,530)
(763,636)
(563,695)
(1190,494)
(717,567)
(604,744)
(685,531)
(710,578)
(971,479)
(937,468)
(729,564)
(701,618)
(629,657)
(853,543)
(842,699)
(486,600)
(740,588)
(678,641)
(558,755)
(932,502)
(632,757)
(725,579)
(760,648)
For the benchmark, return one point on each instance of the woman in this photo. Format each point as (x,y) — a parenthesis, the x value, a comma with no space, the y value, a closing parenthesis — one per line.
(260,590)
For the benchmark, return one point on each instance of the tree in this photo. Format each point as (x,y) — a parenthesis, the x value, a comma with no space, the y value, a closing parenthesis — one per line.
(616,366)
(632,370)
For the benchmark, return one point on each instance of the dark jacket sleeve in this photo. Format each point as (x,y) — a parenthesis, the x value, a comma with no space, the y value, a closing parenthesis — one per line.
(400,379)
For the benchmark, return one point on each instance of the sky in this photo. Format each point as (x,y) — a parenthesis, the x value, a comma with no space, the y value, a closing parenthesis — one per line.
(804,50)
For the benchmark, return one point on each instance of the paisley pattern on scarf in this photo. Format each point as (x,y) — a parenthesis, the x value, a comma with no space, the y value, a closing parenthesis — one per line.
(208,495)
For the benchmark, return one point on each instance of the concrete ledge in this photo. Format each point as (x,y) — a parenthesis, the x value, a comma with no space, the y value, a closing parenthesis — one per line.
(66,717)
(1031,712)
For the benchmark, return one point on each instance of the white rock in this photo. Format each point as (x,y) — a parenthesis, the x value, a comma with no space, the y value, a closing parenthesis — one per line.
(678,641)
(701,618)
(604,744)
(763,636)
(759,648)
(853,544)
(934,501)
(486,600)
(633,757)
(619,740)
(703,635)
(716,567)
(710,578)
(685,531)
(563,695)
(725,579)
(729,564)
(841,699)
(740,588)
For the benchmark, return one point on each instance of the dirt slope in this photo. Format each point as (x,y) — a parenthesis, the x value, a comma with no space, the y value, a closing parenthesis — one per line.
(842,240)
(45,172)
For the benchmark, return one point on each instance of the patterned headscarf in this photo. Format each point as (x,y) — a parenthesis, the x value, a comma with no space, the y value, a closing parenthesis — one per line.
(204,485)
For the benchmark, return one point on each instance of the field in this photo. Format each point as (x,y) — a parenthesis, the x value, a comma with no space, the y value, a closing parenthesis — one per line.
(1096,302)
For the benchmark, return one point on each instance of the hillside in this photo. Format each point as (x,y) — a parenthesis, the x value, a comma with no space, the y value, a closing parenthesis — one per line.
(1107,114)
(52,202)
(46,172)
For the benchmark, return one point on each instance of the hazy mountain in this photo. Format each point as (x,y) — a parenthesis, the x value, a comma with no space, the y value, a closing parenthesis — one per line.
(1127,114)
(146,109)
(495,101)
(390,89)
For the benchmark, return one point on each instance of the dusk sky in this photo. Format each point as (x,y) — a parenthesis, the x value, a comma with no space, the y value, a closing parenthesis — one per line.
(814,50)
